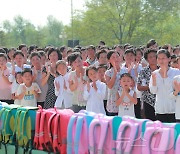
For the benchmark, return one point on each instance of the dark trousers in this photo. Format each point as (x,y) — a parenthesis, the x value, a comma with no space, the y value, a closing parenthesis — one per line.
(111,114)
(8,101)
(105,104)
(41,104)
(137,109)
(169,118)
(178,120)
(149,112)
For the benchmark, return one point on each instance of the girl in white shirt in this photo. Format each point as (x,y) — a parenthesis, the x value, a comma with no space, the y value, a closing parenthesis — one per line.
(64,99)
(94,92)
(126,96)
(161,84)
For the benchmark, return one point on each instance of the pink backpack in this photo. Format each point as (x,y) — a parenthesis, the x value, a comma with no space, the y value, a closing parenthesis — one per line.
(101,135)
(156,138)
(42,138)
(127,134)
(178,145)
(59,132)
(137,145)
(77,132)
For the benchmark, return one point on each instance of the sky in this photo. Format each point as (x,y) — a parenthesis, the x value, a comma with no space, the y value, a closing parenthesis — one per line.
(36,11)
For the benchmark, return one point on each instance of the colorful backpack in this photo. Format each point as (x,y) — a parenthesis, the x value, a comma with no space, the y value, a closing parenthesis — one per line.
(156,138)
(101,135)
(137,145)
(77,132)
(44,137)
(25,126)
(7,118)
(127,134)
(59,131)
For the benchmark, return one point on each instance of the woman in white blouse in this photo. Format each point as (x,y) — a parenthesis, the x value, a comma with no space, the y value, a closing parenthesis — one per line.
(94,91)
(161,85)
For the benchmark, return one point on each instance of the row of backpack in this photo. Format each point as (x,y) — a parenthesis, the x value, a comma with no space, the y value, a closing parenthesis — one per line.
(63,131)
(17,125)
(99,134)
(34,128)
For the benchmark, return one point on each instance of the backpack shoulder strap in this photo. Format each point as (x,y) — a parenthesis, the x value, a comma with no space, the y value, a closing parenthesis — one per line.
(103,124)
(124,143)
(149,143)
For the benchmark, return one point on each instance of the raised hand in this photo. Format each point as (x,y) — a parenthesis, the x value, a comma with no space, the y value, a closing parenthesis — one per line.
(177,86)
(154,78)
(65,87)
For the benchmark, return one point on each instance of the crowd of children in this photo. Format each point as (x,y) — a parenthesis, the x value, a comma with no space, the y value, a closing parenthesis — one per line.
(122,80)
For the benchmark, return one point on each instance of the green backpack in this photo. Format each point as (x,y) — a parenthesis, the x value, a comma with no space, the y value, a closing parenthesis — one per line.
(25,126)
(7,118)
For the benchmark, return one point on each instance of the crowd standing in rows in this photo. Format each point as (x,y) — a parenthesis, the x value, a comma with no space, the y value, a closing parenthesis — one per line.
(122,80)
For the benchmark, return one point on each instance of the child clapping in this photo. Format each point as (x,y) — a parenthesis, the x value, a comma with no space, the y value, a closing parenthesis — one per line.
(94,91)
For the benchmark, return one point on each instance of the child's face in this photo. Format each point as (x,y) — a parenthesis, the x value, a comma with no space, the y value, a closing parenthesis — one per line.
(62,69)
(126,82)
(27,78)
(3,62)
(19,78)
(101,72)
(163,60)
(129,58)
(92,74)
(103,58)
(77,64)
(19,59)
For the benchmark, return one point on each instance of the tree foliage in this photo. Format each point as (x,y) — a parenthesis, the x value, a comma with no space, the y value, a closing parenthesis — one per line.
(114,21)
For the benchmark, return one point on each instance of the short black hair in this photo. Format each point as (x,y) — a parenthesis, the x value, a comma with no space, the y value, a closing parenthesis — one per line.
(151,43)
(18,53)
(33,54)
(131,50)
(164,51)
(102,66)
(91,67)
(100,52)
(148,51)
(3,55)
(126,75)
(73,56)
(25,70)
(52,49)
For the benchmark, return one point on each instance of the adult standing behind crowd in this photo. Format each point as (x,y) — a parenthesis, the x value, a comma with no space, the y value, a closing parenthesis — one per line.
(161,84)
(36,65)
(143,84)
(48,76)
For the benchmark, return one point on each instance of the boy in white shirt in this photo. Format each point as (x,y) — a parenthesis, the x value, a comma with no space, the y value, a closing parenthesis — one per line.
(28,91)
(94,92)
